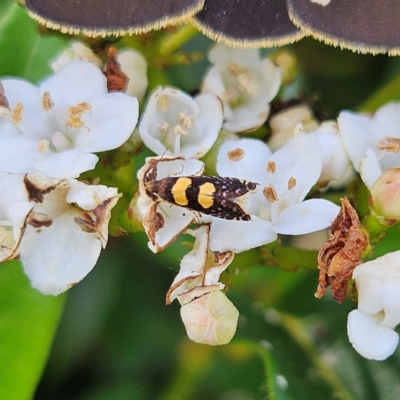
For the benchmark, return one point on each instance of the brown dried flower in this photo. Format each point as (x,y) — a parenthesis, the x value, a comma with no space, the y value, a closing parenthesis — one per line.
(117,81)
(341,253)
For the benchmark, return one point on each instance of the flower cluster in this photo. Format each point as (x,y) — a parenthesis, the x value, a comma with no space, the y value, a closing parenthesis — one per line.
(56,224)
(258,194)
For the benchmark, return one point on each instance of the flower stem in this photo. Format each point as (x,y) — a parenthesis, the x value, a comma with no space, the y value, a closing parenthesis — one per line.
(289,258)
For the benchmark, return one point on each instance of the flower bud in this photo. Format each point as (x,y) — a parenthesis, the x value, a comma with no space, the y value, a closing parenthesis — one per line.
(134,66)
(284,123)
(210,319)
(77,51)
(385,194)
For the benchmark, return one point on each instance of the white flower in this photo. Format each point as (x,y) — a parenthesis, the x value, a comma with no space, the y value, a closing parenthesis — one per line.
(371,327)
(77,51)
(55,129)
(134,66)
(244,83)
(64,231)
(372,143)
(284,180)
(175,123)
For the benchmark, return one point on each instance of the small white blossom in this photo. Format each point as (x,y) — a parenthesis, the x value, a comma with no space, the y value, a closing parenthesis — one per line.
(77,51)
(65,231)
(372,143)
(134,66)
(55,129)
(371,327)
(244,83)
(175,123)
(284,180)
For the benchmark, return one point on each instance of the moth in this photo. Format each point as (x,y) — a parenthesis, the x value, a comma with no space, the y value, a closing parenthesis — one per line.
(209,195)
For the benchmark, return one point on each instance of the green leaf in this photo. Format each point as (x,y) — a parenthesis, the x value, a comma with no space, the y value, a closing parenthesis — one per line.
(28,321)
(24,52)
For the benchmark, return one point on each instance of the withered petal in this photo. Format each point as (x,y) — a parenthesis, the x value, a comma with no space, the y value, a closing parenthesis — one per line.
(117,81)
(108,17)
(341,253)
(362,26)
(249,23)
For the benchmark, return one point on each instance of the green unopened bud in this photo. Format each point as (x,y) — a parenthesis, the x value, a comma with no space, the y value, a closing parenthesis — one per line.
(210,319)
(385,194)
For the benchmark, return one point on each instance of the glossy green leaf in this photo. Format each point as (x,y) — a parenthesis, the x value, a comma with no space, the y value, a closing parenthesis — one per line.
(28,321)
(24,52)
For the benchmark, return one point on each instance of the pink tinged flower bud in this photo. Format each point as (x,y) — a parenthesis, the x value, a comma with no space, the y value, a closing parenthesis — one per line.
(211,319)
(385,194)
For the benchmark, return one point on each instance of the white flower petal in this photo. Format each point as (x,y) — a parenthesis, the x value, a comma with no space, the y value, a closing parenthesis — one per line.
(109,124)
(369,337)
(58,257)
(12,190)
(243,159)
(177,166)
(239,236)
(300,158)
(370,170)
(88,197)
(220,263)
(77,82)
(210,120)
(18,154)
(270,82)
(334,157)
(77,51)
(31,117)
(370,292)
(177,219)
(306,217)
(391,302)
(193,264)
(67,164)
(247,117)
(387,266)
(134,66)
(387,118)
(357,135)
